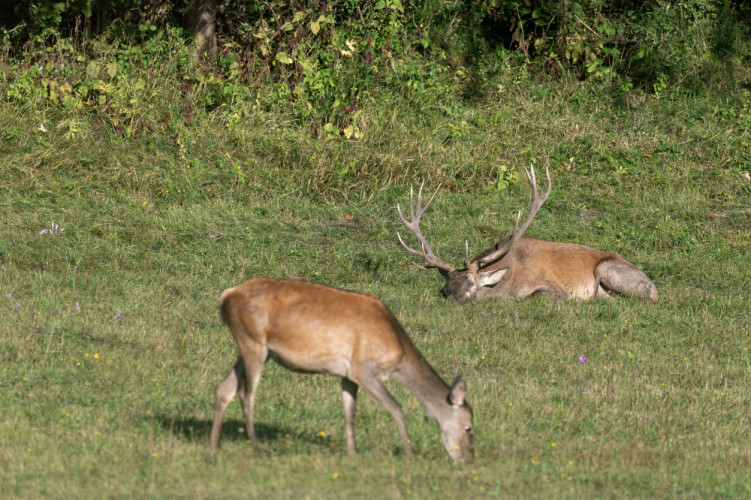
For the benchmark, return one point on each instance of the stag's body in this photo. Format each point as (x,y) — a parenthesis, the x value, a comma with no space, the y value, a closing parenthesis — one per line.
(518,266)
(561,270)
(312,328)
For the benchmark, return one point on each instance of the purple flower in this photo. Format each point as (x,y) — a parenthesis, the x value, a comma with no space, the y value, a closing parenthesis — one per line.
(54,230)
(78,308)
(117,316)
(638,360)
(582,359)
(10,295)
(18,304)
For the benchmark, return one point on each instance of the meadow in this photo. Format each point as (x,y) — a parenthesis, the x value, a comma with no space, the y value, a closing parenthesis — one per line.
(111,342)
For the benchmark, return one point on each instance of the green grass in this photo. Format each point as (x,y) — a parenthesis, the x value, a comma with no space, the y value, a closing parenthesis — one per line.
(94,405)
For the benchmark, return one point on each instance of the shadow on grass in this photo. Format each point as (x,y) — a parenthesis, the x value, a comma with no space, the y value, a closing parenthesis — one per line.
(198,430)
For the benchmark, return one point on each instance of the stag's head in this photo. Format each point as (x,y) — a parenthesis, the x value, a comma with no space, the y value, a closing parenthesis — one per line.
(484,271)
(470,284)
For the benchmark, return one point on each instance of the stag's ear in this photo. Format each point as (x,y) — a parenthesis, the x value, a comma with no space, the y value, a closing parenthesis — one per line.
(458,391)
(490,278)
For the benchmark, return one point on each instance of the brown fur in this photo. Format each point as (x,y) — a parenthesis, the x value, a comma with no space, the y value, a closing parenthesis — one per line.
(312,328)
(562,270)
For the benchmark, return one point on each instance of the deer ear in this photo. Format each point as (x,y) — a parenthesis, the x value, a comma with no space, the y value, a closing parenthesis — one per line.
(458,391)
(490,278)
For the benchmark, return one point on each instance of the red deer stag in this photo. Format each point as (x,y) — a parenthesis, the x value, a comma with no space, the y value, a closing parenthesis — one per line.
(520,265)
(312,328)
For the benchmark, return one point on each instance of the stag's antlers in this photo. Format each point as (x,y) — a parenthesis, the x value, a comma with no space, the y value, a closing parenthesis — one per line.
(427,255)
(413,225)
(517,233)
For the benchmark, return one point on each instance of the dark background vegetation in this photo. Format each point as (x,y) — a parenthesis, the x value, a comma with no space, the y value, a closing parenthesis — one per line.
(331,55)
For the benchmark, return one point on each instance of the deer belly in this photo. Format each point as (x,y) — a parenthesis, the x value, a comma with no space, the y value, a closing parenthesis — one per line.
(582,292)
(304,363)
(579,289)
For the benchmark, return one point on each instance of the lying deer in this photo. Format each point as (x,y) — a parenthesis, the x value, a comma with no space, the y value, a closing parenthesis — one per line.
(520,265)
(312,328)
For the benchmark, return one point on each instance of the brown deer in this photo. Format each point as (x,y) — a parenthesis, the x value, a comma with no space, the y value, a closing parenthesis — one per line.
(520,265)
(312,328)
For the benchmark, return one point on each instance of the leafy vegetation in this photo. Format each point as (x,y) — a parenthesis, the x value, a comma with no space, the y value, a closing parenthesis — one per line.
(139,181)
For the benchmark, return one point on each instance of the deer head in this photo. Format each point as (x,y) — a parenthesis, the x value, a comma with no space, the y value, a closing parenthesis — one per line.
(485,270)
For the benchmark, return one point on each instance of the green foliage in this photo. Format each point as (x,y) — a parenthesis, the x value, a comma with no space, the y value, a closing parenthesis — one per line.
(331,56)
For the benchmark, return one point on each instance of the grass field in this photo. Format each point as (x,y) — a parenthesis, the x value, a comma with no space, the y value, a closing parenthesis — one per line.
(111,344)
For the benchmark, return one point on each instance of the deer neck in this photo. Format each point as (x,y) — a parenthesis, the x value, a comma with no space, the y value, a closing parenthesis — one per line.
(421,380)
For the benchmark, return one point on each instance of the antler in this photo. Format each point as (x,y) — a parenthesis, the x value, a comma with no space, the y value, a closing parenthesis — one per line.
(517,233)
(414,226)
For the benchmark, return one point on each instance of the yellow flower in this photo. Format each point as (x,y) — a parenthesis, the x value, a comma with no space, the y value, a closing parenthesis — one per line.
(87,354)
(96,356)
(322,433)
(334,475)
(552,445)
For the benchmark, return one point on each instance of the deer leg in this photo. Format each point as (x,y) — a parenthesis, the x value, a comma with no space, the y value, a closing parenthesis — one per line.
(624,278)
(383,397)
(349,396)
(225,391)
(552,290)
(253,362)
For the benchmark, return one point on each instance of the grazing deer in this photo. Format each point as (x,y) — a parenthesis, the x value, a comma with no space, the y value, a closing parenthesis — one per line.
(520,265)
(312,328)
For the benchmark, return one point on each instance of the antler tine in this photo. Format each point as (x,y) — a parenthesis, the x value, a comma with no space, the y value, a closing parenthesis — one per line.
(407,247)
(420,208)
(537,202)
(414,226)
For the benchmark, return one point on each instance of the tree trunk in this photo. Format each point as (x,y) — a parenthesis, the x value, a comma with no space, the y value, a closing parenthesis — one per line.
(200,18)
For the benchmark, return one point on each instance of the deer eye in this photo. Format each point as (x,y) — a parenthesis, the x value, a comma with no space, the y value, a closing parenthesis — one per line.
(468,429)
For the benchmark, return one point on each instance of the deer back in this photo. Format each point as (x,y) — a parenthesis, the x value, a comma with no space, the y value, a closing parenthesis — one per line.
(309,327)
